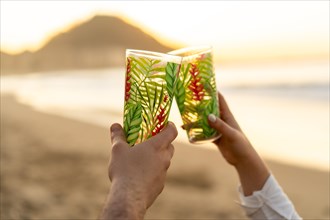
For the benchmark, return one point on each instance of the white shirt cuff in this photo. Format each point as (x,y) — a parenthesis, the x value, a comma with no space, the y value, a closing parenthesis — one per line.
(272,197)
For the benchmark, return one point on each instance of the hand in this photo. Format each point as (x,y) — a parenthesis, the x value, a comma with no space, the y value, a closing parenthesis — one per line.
(142,168)
(233,144)
(137,173)
(237,150)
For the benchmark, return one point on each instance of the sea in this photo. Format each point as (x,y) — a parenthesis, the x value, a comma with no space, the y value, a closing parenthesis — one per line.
(283,108)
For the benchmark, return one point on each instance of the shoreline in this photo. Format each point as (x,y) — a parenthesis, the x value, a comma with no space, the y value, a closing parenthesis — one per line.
(105,118)
(51,164)
(116,117)
(304,140)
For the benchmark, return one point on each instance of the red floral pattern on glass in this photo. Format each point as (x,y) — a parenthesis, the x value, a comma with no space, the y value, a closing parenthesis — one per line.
(128,84)
(195,85)
(160,118)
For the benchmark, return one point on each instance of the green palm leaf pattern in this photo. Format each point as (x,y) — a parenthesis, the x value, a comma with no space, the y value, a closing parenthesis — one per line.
(207,74)
(151,81)
(180,95)
(194,112)
(211,108)
(170,77)
(181,85)
(132,123)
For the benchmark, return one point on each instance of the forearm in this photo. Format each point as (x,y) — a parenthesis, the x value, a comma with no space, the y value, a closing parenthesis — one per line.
(252,173)
(120,204)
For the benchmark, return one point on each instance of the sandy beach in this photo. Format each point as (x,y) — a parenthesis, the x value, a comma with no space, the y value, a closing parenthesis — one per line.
(56,168)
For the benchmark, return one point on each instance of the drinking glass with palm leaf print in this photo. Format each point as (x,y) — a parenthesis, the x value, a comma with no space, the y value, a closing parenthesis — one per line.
(149,90)
(196,93)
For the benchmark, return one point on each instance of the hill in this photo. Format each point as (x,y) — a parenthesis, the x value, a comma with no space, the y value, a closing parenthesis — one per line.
(99,42)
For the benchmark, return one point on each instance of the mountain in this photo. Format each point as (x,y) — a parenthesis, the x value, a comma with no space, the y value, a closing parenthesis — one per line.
(99,42)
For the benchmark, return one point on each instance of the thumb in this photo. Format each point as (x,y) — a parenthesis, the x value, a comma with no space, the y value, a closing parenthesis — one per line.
(166,136)
(221,126)
(118,139)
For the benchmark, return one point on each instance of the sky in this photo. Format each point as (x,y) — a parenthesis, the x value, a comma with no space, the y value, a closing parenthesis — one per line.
(234,27)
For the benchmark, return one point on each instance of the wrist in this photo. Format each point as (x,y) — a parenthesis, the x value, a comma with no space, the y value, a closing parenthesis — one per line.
(250,161)
(124,202)
(253,174)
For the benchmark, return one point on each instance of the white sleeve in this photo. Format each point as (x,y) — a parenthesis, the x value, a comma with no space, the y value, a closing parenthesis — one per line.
(268,203)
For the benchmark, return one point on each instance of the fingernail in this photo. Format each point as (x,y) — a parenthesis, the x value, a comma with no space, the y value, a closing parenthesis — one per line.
(212,118)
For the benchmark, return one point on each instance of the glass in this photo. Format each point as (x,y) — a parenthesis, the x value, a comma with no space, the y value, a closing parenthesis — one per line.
(196,93)
(149,90)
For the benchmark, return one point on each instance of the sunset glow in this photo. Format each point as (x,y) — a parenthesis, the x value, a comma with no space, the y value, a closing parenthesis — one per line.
(237,29)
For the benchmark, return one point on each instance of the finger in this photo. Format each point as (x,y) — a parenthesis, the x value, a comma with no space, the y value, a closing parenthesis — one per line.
(118,139)
(221,126)
(225,112)
(165,137)
(117,133)
(223,104)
